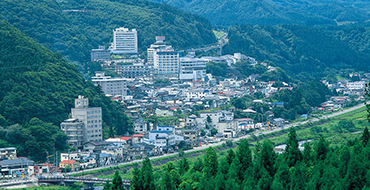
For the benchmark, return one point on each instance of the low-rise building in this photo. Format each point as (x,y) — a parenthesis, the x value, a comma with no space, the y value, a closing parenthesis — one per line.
(8,153)
(110,86)
(100,54)
(69,165)
(9,167)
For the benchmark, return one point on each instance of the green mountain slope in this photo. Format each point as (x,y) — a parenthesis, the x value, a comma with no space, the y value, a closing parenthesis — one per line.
(74,27)
(299,50)
(271,12)
(37,91)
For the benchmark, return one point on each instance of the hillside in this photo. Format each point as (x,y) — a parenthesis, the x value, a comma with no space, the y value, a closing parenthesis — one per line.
(272,12)
(74,27)
(303,51)
(37,92)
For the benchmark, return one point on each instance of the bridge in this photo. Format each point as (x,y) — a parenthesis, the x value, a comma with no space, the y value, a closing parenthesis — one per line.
(87,181)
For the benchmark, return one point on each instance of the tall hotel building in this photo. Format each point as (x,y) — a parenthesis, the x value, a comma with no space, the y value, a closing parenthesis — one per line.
(125,41)
(165,60)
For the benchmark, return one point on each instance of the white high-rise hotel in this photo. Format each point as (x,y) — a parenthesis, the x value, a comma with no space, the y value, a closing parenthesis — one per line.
(125,41)
(164,58)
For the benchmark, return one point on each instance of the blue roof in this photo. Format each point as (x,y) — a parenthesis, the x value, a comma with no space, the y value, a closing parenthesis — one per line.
(165,126)
(104,155)
(161,131)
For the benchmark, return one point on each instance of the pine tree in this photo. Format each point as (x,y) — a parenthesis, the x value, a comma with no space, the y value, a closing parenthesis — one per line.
(220,180)
(175,178)
(147,175)
(166,181)
(230,156)
(137,180)
(233,181)
(266,157)
(244,155)
(307,154)
(210,162)
(297,180)
(365,136)
(266,180)
(198,165)
(282,176)
(344,157)
(356,172)
(183,166)
(293,154)
(321,149)
(117,183)
(315,181)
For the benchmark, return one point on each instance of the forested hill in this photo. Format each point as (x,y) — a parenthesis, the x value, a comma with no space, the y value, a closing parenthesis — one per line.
(272,12)
(304,51)
(37,92)
(74,27)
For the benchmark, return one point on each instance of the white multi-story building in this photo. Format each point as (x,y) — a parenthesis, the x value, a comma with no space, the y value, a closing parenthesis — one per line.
(357,85)
(125,41)
(164,58)
(192,69)
(91,117)
(111,86)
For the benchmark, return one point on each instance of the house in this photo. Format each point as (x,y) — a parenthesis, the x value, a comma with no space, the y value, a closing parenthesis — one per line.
(191,135)
(245,123)
(91,146)
(140,126)
(71,164)
(165,128)
(227,128)
(163,113)
(278,122)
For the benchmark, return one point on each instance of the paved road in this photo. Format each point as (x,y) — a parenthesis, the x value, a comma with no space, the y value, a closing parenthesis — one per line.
(235,139)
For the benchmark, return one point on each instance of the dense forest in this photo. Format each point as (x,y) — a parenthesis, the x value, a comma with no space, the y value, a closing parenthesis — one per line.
(318,166)
(304,52)
(273,12)
(37,92)
(74,27)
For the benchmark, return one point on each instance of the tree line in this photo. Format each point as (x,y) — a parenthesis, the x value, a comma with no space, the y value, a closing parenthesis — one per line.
(318,166)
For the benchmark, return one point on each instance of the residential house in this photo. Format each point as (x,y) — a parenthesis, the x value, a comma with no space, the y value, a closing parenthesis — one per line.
(71,164)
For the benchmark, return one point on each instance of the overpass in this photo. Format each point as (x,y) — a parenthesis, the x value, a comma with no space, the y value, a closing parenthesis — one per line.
(69,181)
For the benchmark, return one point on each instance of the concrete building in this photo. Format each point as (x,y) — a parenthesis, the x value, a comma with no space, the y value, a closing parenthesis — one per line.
(74,129)
(136,70)
(91,117)
(164,58)
(157,46)
(9,167)
(140,126)
(100,54)
(8,153)
(125,41)
(111,86)
(192,69)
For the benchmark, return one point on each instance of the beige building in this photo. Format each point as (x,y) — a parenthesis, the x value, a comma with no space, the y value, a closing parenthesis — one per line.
(74,129)
(91,117)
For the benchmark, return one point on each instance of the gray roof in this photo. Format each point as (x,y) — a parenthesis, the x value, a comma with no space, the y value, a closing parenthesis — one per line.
(18,161)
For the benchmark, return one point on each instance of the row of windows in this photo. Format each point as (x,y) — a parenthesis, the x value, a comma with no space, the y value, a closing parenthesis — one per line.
(94,121)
